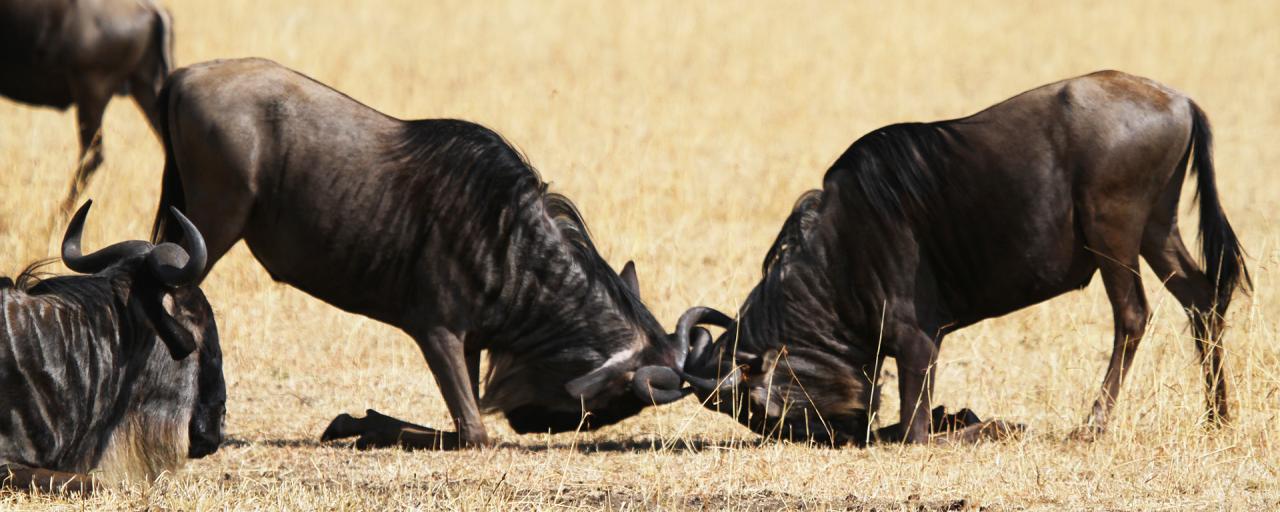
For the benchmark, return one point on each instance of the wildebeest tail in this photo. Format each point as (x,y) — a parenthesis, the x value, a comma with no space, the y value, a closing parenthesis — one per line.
(171,193)
(164,34)
(1223,256)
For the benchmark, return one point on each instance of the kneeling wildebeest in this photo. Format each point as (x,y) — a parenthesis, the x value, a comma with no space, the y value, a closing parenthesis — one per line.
(924,228)
(55,53)
(96,370)
(438,227)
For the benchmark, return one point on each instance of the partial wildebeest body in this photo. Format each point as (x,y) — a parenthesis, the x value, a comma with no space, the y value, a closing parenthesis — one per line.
(921,229)
(435,226)
(88,382)
(56,53)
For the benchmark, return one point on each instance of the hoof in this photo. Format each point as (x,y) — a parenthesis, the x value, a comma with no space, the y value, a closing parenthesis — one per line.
(342,427)
(1087,433)
(999,430)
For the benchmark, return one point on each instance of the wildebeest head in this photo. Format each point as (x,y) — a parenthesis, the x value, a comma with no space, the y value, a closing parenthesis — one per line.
(792,392)
(633,375)
(159,285)
(781,368)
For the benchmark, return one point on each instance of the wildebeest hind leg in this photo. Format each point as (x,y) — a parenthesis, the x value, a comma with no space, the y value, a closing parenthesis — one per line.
(1116,246)
(21,477)
(1163,250)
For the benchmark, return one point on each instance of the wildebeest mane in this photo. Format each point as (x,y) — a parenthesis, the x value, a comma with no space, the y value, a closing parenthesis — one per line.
(890,179)
(794,230)
(494,178)
(900,170)
(30,276)
(575,232)
(426,141)
(460,177)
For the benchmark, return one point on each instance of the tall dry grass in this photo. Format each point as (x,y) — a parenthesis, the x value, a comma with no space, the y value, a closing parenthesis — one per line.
(685,130)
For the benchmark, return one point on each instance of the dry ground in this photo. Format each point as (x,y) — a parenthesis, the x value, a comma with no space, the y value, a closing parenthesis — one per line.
(685,131)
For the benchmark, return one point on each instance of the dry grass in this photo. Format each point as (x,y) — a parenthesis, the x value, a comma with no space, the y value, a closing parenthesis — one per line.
(685,131)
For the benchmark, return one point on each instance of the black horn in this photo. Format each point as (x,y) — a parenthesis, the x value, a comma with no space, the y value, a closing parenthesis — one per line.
(658,385)
(699,350)
(175,266)
(103,258)
(691,319)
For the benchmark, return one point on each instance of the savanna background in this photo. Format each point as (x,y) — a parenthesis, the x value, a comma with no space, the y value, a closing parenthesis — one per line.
(684,131)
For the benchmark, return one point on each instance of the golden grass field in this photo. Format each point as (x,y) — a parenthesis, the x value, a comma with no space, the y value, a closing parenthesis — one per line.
(684,131)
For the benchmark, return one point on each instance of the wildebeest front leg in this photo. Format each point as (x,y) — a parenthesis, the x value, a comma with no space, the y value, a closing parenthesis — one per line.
(91,101)
(449,363)
(990,430)
(26,478)
(941,422)
(473,370)
(376,430)
(917,355)
(1129,308)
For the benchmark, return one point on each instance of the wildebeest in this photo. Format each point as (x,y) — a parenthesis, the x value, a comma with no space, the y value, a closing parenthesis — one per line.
(97,371)
(56,53)
(921,229)
(438,227)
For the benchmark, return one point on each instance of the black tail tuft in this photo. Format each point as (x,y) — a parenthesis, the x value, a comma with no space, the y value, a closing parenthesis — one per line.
(1223,256)
(171,193)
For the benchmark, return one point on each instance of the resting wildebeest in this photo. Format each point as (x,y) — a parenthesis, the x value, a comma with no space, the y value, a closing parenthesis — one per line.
(924,228)
(438,227)
(95,370)
(56,53)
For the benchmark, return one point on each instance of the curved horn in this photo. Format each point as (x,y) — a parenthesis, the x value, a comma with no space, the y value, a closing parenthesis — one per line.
(658,385)
(175,266)
(691,319)
(698,347)
(698,350)
(103,258)
(707,386)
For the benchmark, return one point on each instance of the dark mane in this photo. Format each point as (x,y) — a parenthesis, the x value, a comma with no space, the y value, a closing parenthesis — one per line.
(900,170)
(462,167)
(574,230)
(794,230)
(458,178)
(424,142)
(30,276)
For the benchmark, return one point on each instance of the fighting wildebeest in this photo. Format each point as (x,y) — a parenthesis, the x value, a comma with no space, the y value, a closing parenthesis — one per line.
(921,229)
(97,370)
(438,227)
(56,53)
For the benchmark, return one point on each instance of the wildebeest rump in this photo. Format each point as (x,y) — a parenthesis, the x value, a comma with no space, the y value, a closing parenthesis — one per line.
(96,370)
(924,228)
(56,53)
(438,227)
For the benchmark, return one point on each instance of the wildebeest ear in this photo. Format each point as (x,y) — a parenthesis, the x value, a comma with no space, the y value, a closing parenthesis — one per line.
(180,340)
(588,386)
(629,277)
